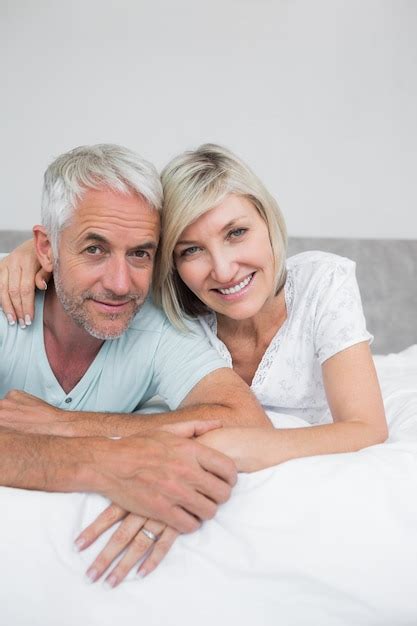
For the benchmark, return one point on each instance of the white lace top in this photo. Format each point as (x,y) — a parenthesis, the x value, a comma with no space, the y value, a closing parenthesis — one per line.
(324,316)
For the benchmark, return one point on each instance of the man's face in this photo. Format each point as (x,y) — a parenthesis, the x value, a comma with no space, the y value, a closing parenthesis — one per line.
(106,255)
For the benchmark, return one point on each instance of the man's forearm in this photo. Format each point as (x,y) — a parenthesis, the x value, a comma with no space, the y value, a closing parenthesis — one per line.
(166,476)
(222,396)
(44,462)
(122,425)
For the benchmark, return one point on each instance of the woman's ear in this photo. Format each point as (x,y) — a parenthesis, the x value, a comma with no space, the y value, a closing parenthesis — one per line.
(43,248)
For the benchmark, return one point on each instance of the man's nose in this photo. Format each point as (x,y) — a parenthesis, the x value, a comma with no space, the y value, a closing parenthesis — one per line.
(116,277)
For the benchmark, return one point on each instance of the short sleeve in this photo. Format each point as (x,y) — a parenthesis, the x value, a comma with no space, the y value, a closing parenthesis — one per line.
(339,320)
(181,361)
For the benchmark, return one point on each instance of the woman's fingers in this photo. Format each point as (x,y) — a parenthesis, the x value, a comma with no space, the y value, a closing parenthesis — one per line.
(19,273)
(145,540)
(160,549)
(110,516)
(5,301)
(17,293)
(121,538)
(142,539)
(42,279)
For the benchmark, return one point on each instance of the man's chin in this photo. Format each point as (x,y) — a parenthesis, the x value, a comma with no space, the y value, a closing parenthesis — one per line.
(111,327)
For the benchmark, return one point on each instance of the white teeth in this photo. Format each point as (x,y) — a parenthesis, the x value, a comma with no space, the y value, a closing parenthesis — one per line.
(238,287)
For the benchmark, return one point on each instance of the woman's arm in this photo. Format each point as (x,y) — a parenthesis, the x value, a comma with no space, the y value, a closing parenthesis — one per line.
(357,409)
(20,273)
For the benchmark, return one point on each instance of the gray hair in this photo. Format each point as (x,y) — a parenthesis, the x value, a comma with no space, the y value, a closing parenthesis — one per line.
(93,167)
(193,183)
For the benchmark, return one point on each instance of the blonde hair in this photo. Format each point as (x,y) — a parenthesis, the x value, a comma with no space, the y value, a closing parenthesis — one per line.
(193,183)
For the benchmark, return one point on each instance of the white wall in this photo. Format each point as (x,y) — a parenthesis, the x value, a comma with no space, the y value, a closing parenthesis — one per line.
(319,97)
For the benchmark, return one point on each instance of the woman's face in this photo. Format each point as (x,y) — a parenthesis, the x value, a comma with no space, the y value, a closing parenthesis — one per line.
(225,257)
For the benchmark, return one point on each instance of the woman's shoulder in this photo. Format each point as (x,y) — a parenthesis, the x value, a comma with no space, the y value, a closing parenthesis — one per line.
(314,260)
(314,271)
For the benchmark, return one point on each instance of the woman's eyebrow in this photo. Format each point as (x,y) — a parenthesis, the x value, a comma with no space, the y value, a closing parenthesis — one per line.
(233,222)
(223,228)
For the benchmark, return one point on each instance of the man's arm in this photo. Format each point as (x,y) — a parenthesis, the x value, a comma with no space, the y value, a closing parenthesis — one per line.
(167,476)
(221,395)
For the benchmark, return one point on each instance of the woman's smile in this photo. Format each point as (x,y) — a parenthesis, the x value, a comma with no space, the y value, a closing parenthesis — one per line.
(237,289)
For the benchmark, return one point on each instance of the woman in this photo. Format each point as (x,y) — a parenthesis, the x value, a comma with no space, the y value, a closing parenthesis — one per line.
(293,330)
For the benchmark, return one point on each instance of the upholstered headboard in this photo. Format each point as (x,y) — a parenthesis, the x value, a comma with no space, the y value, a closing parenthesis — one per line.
(387,276)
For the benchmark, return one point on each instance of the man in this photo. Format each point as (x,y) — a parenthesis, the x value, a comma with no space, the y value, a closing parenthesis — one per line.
(89,350)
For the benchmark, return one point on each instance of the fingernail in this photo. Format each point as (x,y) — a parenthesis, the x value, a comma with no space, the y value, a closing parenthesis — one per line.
(141,573)
(111,581)
(92,575)
(45,285)
(22,323)
(28,321)
(10,320)
(79,543)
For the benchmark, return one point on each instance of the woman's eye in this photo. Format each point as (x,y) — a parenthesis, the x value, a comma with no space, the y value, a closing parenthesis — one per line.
(190,251)
(237,232)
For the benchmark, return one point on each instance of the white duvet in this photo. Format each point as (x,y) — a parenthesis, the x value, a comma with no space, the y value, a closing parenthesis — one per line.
(328,540)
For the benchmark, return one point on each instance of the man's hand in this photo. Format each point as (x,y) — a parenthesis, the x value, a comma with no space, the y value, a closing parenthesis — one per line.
(165,476)
(28,414)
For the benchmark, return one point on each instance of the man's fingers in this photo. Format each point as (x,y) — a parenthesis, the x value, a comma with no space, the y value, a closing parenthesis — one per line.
(111,515)
(218,464)
(183,521)
(140,545)
(160,549)
(193,428)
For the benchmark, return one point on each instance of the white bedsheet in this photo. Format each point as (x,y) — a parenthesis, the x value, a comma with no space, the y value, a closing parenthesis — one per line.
(328,540)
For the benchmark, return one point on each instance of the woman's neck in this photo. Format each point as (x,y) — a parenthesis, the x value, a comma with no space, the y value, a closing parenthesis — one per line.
(260,328)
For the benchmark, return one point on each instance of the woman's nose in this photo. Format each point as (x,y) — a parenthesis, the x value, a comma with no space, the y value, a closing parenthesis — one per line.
(224,268)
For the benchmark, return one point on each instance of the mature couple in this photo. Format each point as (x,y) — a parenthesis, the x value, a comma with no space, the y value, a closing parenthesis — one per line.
(292,330)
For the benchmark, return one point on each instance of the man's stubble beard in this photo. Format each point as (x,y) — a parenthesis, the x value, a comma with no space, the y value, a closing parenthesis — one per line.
(75,309)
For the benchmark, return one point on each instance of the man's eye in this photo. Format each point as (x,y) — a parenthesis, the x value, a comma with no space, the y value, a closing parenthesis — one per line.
(95,250)
(237,232)
(141,254)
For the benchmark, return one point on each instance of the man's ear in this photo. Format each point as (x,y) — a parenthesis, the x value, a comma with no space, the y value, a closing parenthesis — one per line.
(43,248)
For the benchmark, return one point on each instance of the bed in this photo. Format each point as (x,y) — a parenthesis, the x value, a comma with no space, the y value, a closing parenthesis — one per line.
(326,540)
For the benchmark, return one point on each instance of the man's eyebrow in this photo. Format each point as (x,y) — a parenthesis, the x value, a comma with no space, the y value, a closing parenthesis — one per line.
(147,245)
(95,237)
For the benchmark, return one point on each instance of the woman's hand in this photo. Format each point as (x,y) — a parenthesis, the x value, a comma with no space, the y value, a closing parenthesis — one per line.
(129,536)
(20,272)
(251,448)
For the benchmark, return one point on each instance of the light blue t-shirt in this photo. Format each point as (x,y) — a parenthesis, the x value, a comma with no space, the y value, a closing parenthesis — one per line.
(150,358)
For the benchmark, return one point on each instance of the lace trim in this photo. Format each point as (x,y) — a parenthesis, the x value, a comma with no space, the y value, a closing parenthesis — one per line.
(269,354)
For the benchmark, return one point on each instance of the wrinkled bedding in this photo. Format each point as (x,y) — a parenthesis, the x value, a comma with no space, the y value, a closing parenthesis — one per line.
(326,540)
